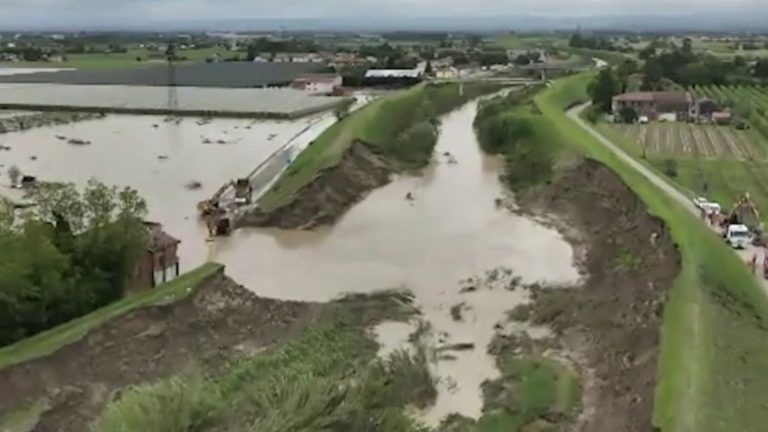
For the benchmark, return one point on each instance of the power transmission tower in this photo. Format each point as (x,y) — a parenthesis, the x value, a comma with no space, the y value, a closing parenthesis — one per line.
(173,96)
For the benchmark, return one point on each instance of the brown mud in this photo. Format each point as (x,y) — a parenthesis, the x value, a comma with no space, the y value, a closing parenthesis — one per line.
(218,322)
(612,323)
(326,198)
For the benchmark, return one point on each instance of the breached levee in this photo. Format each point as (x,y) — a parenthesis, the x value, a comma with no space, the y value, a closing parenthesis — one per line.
(334,190)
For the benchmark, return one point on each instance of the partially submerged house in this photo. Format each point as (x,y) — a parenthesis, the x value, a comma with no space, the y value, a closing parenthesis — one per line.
(660,105)
(159,262)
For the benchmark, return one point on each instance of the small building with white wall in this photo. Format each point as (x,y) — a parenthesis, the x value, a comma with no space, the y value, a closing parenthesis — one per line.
(317,83)
(449,72)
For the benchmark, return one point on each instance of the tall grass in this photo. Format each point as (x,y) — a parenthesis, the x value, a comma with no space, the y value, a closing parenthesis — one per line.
(329,379)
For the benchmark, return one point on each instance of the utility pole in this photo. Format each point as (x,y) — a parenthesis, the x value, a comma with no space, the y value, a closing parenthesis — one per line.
(173,97)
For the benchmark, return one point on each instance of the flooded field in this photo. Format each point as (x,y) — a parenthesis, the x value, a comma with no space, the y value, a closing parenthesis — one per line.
(158,161)
(239,102)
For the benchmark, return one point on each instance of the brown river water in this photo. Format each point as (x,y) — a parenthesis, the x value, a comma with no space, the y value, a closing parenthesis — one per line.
(451,231)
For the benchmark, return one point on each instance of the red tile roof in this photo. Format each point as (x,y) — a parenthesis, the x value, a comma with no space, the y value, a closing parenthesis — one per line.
(635,97)
(158,238)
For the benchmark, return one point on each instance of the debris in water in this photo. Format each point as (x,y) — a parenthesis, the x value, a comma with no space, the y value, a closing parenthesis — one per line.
(221,141)
(514,283)
(194,185)
(155,125)
(33,157)
(5,147)
(468,289)
(162,157)
(207,141)
(521,313)
(456,311)
(409,196)
(464,346)
(271,137)
(60,137)
(78,141)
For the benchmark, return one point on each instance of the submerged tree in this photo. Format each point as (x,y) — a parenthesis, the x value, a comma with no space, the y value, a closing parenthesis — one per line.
(14,173)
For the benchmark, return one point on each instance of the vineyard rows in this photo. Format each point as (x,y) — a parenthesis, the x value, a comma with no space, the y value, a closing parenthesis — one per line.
(720,162)
(684,140)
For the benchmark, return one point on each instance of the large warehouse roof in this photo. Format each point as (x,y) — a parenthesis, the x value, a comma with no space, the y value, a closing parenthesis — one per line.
(225,74)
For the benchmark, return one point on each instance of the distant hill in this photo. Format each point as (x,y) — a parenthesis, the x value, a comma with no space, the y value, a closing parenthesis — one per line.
(743,20)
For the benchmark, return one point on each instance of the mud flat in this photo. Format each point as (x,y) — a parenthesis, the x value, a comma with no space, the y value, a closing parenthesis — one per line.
(612,323)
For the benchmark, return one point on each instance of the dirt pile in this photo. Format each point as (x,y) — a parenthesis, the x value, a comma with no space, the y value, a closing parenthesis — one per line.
(330,194)
(218,322)
(613,321)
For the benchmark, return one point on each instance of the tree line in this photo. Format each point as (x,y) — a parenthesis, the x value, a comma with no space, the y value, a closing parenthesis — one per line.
(71,254)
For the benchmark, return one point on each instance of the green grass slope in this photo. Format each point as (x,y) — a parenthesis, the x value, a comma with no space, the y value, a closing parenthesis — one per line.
(712,372)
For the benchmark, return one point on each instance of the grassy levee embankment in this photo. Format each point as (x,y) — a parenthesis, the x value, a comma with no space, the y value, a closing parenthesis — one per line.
(51,340)
(712,373)
(398,127)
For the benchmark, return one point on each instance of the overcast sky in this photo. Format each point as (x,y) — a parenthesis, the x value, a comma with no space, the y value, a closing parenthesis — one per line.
(27,11)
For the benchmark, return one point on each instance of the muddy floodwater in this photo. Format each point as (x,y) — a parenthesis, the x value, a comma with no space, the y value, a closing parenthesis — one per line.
(157,158)
(451,231)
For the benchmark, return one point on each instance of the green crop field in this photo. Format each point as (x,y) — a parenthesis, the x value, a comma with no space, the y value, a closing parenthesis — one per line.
(719,162)
(712,372)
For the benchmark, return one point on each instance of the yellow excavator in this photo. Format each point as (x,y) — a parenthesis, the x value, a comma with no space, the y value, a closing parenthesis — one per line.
(216,217)
(742,208)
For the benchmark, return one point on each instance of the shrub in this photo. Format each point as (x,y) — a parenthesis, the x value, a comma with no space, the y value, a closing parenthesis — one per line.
(670,168)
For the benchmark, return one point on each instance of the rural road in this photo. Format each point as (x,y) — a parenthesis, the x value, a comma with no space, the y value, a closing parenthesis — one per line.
(661,183)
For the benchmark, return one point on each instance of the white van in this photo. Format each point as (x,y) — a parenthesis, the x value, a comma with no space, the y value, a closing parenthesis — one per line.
(738,236)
